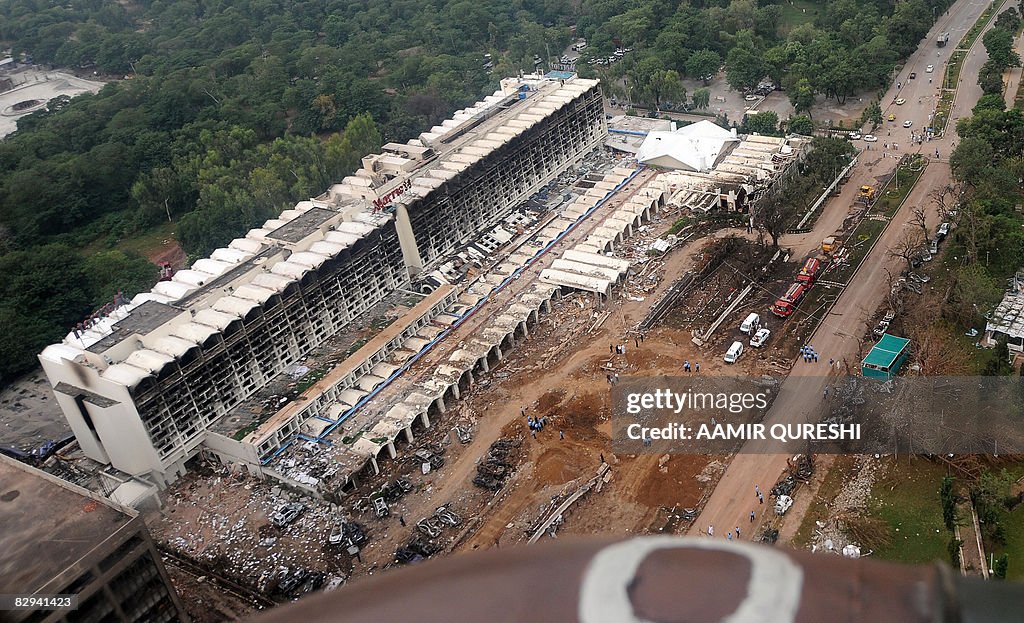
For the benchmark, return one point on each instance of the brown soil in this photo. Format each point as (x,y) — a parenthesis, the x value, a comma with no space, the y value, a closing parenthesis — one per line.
(170,252)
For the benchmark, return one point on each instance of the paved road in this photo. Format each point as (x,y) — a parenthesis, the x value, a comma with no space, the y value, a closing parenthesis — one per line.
(799,398)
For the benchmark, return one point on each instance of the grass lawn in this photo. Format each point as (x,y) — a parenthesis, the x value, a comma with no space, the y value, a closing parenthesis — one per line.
(1013,523)
(906,498)
(143,244)
(891,196)
(798,12)
(859,242)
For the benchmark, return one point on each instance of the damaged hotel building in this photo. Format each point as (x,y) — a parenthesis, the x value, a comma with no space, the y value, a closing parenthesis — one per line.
(159,379)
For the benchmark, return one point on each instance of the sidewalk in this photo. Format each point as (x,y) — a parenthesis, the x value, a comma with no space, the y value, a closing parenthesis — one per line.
(1013,74)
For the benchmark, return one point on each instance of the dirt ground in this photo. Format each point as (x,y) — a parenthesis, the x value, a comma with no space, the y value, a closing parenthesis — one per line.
(206,602)
(560,374)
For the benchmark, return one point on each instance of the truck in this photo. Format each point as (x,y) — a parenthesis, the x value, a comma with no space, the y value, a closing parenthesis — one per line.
(943,40)
(866,194)
(809,271)
(830,244)
(785,305)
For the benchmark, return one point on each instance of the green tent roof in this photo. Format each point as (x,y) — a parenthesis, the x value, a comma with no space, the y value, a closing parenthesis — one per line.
(886,351)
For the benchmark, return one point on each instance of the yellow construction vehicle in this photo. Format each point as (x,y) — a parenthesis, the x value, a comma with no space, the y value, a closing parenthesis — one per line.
(866,194)
(830,244)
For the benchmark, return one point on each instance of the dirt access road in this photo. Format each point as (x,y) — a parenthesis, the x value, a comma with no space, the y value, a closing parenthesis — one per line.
(570,388)
(800,397)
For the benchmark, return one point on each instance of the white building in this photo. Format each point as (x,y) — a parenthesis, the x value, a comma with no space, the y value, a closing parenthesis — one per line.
(142,386)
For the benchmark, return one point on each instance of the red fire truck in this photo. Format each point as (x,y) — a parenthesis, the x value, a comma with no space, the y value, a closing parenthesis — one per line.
(785,305)
(809,272)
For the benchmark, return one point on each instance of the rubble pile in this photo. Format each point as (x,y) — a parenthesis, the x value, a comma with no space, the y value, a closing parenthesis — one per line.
(308,465)
(851,500)
(223,523)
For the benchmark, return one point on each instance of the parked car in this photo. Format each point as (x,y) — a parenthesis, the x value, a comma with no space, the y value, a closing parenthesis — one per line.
(337,534)
(750,98)
(919,277)
(913,75)
(908,123)
(870,138)
(929,69)
(286,514)
(943,231)
(933,248)
(782,504)
(292,581)
(760,337)
(734,352)
(853,136)
(900,101)
(750,324)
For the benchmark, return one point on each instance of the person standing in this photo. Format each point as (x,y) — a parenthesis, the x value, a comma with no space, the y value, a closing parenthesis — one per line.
(698,367)
(753,516)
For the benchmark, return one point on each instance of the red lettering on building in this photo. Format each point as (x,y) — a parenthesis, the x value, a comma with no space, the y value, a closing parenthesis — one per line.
(380,202)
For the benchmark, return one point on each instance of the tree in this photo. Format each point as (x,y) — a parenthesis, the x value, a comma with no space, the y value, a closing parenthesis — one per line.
(1001,565)
(990,78)
(999,364)
(763,122)
(701,98)
(974,291)
(113,271)
(800,124)
(949,501)
(802,97)
(872,114)
(703,64)
(907,247)
(969,159)
(953,548)
(744,65)
(920,219)
(774,212)
(999,45)
(655,84)
(947,197)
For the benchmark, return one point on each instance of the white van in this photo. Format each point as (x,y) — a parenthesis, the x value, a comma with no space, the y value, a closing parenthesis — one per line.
(734,352)
(751,324)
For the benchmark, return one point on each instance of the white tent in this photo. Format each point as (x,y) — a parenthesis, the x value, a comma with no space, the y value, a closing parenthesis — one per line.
(696,147)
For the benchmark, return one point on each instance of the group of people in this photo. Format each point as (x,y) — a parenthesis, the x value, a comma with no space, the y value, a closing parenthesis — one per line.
(753,516)
(809,354)
(688,368)
(536,424)
(728,535)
